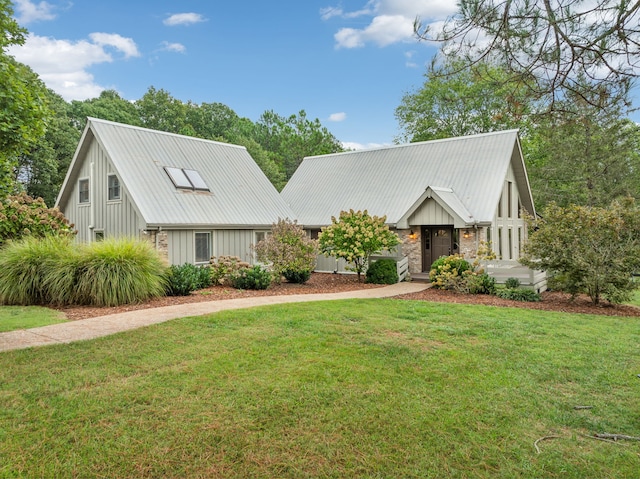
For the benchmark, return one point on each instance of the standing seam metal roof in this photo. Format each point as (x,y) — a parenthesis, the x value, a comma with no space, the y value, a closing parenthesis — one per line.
(388,181)
(240,194)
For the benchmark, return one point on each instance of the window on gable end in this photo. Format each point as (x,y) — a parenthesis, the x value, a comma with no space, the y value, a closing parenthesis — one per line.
(83,190)
(113,187)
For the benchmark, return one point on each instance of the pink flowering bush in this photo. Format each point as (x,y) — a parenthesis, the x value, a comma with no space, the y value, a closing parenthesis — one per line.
(355,236)
(21,215)
(288,251)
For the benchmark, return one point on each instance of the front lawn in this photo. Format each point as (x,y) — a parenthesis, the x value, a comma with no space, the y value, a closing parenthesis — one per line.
(24,317)
(375,388)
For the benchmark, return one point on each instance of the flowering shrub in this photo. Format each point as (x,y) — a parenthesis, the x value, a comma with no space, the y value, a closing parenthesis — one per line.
(383,271)
(288,251)
(355,236)
(223,268)
(455,273)
(255,277)
(21,215)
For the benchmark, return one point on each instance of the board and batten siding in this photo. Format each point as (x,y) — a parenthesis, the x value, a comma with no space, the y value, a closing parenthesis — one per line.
(181,244)
(509,230)
(430,213)
(115,218)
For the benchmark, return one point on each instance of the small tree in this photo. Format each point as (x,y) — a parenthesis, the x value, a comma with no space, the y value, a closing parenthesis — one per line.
(288,250)
(21,215)
(587,249)
(355,236)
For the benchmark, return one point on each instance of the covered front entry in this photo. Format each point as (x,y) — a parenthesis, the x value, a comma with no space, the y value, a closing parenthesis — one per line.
(437,241)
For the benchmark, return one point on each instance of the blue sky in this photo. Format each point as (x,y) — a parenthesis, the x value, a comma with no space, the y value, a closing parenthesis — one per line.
(346,62)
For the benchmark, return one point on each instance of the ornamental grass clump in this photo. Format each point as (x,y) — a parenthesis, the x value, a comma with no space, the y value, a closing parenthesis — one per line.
(123,271)
(33,271)
(355,236)
(288,251)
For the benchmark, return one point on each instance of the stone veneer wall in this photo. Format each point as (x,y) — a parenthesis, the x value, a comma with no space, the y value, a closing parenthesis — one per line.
(411,247)
(469,245)
(162,243)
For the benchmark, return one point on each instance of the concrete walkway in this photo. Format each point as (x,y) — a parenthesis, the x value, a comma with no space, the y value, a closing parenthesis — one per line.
(114,323)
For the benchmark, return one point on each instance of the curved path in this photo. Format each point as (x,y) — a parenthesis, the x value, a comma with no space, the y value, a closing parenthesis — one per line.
(114,323)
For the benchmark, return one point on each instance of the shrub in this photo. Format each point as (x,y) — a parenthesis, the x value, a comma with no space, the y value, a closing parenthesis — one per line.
(30,267)
(119,271)
(355,236)
(223,268)
(479,283)
(518,294)
(512,283)
(298,277)
(288,249)
(182,280)
(255,277)
(383,271)
(446,272)
(21,215)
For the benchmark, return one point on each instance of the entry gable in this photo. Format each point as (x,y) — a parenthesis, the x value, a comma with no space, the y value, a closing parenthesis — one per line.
(447,200)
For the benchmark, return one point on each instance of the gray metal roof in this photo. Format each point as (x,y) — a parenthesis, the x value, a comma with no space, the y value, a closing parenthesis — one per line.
(465,173)
(240,194)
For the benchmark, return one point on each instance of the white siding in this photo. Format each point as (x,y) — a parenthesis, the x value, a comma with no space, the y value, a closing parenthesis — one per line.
(430,213)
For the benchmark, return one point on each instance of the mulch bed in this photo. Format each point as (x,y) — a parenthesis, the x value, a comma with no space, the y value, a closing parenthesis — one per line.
(332,283)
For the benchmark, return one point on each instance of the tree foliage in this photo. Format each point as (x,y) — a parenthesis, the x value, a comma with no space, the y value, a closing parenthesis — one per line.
(583,155)
(456,101)
(548,45)
(21,215)
(355,236)
(590,250)
(288,250)
(23,110)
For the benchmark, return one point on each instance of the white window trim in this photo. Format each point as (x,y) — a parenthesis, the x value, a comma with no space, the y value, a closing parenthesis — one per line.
(195,259)
(119,198)
(88,202)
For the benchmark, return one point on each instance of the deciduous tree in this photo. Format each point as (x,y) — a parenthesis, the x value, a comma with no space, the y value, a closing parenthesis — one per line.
(355,236)
(590,250)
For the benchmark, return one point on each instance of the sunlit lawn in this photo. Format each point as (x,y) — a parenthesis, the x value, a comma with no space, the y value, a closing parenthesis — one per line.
(23,317)
(377,388)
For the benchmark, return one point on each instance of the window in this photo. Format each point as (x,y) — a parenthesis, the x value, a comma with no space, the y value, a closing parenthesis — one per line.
(98,235)
(186,179)
(203,247)
(114,187)
(500,242)
(500,207)
(259,236)
(510,244)
(83,191)
(509,199)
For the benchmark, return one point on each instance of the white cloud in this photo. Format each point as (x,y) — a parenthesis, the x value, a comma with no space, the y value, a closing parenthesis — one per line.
(173,47)
(391,20)
(337,117)
(63,64)
(27,11)
(123,44)
(184,19)
(351,145)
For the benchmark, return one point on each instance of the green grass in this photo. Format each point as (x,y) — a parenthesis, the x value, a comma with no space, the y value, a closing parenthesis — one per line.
(366,389)
(635,299)
(23,317)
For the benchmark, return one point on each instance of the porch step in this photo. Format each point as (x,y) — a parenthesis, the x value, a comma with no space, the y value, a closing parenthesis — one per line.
(420,277)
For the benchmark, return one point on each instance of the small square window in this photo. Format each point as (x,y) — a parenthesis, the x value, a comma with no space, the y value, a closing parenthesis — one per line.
(83,191)
(114,187)
(98,235)
(203,247)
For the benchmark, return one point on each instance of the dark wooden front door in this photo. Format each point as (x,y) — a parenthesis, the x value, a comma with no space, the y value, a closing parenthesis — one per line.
(437,241)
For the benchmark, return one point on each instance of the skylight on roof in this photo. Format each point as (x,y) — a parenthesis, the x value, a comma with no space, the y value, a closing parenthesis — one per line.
(196,180)
(186,179)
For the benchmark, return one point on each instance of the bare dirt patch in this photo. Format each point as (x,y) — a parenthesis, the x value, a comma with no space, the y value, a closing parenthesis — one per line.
(334,283)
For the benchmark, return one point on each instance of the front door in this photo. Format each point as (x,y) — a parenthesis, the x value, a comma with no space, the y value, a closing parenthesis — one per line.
(437,241)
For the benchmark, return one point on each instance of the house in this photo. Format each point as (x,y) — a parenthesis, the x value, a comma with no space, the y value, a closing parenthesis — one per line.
(191,198)
(442,196)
